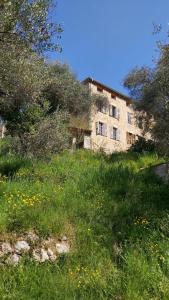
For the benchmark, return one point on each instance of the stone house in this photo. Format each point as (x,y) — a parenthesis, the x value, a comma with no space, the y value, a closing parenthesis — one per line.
(111,127)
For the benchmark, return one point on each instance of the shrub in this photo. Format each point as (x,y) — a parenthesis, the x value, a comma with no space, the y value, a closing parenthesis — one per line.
(143,145)
(49,136)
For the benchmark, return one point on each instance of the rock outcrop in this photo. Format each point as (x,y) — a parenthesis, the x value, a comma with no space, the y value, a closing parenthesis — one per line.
(36,248)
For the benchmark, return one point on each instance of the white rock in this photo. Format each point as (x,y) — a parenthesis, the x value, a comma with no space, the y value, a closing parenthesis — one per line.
(2,253)
(44,255)
(40,255)
(50,252)
(6,248)
(32,237)
(13,260)
(21,246)
(62,248)
(53,257)
(64,238)
(37,255)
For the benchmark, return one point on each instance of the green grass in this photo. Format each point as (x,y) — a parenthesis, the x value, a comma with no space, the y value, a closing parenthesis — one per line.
(116,215)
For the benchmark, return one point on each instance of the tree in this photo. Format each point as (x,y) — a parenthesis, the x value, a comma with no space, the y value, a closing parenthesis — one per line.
(52,95)
(42,136)
(28,22)
(33,92)
(21,82)
(26,32)
(150,87)
(66,92)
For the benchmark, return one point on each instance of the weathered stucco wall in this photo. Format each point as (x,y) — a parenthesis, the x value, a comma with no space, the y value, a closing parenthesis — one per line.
(109,145)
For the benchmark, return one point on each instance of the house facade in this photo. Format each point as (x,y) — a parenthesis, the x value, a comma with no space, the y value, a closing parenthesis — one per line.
(111,127)
(114,126)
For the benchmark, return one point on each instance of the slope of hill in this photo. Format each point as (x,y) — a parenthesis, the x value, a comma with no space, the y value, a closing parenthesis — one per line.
(115,216)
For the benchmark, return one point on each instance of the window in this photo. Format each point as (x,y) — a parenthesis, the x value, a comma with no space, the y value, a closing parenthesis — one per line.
(113,96)
(99,89)
(102,108)
(129,118)
(101,129)
(114,112)
(115,133)
(131,138)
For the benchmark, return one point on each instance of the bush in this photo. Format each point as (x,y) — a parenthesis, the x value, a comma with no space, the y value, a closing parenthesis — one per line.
(143,145)
(50,135)
(6,146)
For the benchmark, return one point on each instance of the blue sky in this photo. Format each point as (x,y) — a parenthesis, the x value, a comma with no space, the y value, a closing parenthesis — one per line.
(106,39)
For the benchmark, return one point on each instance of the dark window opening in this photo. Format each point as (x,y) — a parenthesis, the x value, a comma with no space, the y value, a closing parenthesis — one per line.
(99,89)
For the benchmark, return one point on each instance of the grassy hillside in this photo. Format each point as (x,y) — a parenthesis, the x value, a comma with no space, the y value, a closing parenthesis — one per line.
(115,215)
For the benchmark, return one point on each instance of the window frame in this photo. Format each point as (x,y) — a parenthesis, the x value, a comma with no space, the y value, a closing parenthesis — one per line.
(114,112)
(115,133)
(129,118)
(101,128)
(102,108)
(130,138)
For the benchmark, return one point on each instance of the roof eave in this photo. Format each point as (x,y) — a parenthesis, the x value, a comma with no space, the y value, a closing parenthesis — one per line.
(95,82)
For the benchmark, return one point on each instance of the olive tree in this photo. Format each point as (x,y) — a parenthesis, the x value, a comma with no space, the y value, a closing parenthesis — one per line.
(150,88)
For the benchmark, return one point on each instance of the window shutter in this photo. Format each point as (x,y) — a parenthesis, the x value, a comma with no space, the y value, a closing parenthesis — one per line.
(110,110)
(104,109)
(114,133)
(97,128)
(118,114)
(102,130)
(118,134)
(105,129)
(111,132)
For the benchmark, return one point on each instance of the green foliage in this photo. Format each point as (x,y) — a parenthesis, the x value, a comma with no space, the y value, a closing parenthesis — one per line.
(26,32)
(38,111)
(143,145)
(37,133)
(29,22)
(41,139)
(66,92)
(115,215)
(36,98)
(149,86)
